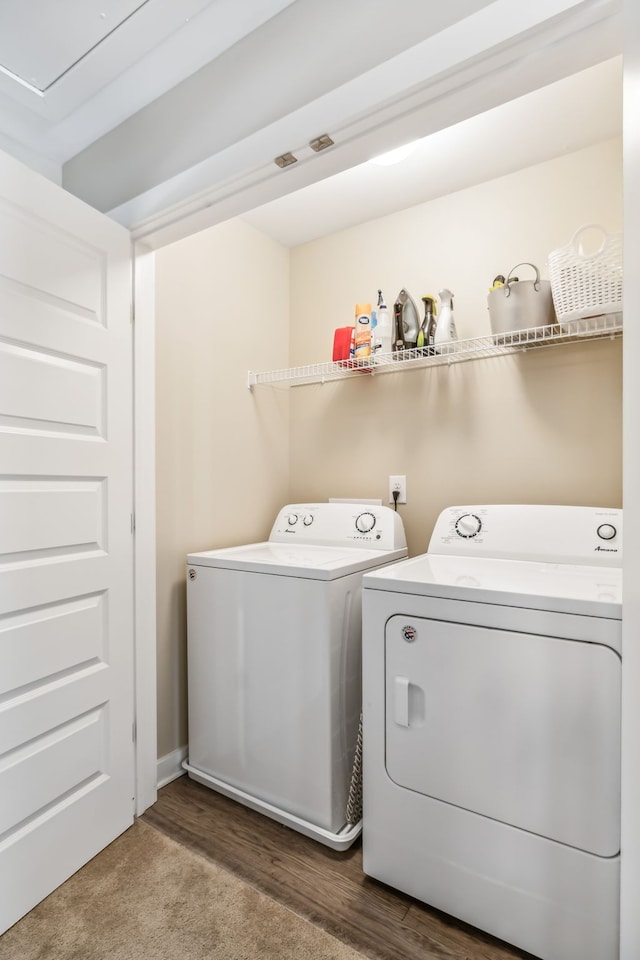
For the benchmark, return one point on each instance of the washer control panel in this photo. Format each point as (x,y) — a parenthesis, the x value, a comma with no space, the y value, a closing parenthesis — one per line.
(553,534)
(340,524)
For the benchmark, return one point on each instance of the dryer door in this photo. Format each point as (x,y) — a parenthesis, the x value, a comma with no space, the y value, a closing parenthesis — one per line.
(521,728)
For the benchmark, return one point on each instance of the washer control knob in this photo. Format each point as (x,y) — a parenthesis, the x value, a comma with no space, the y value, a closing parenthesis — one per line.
(308,519)
(468,525)
(291,519)
(606,531)
(365,522)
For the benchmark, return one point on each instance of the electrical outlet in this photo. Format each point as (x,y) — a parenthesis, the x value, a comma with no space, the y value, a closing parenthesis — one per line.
(399,484)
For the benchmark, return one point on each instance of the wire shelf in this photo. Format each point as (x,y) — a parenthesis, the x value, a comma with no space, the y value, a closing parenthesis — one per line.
(457,351)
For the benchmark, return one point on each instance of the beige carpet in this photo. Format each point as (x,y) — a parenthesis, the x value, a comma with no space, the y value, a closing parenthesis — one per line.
(147,898)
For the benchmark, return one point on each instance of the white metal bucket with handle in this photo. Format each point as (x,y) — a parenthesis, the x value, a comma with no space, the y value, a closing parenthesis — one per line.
(521,304)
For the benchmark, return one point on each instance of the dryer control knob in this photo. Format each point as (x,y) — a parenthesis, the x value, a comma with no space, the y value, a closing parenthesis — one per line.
(365,522)
(606,531)
(468,525)
(292,518)
(308,519)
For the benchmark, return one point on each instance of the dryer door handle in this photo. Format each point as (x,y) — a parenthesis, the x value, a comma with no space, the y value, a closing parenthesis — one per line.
(401,701)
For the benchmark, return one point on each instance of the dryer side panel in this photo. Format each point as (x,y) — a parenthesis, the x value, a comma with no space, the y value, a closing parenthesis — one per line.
(521,728)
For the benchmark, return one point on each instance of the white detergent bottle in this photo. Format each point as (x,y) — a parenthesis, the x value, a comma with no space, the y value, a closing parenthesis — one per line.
(445,332)
(383,331)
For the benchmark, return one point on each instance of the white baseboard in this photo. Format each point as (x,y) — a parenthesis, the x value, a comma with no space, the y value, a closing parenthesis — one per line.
(170,766)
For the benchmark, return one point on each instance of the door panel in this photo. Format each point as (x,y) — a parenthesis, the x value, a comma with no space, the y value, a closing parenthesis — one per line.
(521,728)
(28,651)
(69,395)
(66,548)
(32,779)
(55,516)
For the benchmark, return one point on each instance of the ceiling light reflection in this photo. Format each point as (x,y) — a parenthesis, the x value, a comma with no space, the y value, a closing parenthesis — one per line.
(395,156)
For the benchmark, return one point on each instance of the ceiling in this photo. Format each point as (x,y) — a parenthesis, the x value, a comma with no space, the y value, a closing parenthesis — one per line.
(72,70)
(29,57)
(168,116)
(581,110)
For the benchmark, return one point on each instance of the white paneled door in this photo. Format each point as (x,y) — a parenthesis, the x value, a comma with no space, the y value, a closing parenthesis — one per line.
(66,544)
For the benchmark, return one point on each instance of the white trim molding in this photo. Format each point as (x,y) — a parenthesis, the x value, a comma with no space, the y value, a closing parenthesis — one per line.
(170,766)
(630,786)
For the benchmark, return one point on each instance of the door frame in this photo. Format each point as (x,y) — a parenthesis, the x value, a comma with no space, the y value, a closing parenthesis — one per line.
(630,785)
(145,561)
(144,513)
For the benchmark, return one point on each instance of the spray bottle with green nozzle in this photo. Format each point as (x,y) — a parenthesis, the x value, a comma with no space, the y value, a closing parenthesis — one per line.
(445,331)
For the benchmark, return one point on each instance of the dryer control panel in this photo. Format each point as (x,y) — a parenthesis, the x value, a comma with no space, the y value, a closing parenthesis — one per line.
(340,524)
(552,534)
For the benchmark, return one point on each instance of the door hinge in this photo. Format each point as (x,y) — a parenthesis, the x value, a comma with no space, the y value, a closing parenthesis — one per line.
(134,731)
(132,313)
(133,523)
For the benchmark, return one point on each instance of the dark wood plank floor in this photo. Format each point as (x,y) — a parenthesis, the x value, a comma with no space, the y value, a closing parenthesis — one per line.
(325,886)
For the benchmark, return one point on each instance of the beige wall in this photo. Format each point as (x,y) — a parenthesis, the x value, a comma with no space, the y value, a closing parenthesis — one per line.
(540,426)
(222,458)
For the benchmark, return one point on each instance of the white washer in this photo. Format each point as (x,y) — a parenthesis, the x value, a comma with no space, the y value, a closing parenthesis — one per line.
(274,663)
(491,703)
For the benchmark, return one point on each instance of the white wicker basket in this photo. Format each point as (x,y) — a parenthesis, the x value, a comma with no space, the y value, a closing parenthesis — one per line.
(587,285)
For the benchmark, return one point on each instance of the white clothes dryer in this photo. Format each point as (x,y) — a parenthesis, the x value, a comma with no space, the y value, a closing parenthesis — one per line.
(491,705)
(274,663)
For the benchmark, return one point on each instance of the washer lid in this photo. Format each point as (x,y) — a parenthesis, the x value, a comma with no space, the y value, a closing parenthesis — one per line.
(564,588)
(295,560)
